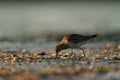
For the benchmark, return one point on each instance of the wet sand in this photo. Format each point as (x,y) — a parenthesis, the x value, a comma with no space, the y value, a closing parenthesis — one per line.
(22,64)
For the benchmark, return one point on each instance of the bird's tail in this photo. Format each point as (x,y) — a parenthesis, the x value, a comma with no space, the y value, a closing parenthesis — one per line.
(93,36)
(90,37)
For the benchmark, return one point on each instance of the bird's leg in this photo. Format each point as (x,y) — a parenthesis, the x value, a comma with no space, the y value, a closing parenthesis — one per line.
(71,53)
(84,54)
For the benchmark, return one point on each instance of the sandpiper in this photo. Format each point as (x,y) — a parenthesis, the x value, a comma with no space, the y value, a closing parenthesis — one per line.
(73,41)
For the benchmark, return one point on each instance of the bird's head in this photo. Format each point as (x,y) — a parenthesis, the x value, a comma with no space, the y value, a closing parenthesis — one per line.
(61,47)
(58,48)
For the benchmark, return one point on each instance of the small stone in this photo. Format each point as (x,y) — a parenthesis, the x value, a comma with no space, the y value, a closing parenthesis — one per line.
(107,46)
(106,58)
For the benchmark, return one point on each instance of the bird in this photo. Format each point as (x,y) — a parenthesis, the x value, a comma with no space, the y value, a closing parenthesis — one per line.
(73,41)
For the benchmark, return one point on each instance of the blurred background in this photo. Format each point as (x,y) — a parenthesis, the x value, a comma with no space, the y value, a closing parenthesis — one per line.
(47,21)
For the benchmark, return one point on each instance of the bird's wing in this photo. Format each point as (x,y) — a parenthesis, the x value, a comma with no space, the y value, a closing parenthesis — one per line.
(75,38)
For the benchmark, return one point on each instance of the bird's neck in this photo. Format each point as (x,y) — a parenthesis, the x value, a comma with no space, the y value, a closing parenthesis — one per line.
(65,46)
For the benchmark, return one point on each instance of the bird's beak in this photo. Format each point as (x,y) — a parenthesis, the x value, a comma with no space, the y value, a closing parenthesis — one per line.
(56,55)
(56,52)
